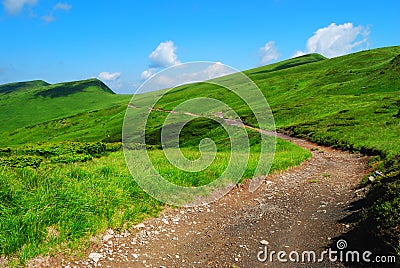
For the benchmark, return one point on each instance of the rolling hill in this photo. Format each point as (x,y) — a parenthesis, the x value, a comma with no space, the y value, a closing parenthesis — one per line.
(30,103)
(350,102)
(340,96)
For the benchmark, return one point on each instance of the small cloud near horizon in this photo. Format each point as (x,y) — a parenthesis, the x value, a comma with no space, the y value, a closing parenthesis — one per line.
(107,76)
(186,73)
(268,53)
(112,80)
(165,56)
(336,40)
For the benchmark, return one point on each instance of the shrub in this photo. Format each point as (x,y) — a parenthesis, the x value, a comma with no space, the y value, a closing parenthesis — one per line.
(21,161)
(71,158)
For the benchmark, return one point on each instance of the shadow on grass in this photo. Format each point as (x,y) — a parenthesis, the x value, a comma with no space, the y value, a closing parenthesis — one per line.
(66,89)
(305,59)
(5,89)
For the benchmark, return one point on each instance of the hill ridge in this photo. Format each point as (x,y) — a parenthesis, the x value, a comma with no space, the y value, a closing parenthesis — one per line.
(15,86)
(29,103)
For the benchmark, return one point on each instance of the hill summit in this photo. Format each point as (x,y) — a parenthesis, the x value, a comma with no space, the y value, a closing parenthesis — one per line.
(29,103)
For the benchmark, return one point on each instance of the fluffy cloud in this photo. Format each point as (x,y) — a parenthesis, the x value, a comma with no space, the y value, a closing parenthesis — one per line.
(15,6)
(268,53)
(112,80)
(146,74)
(213,71)
(165,56)
(185,74)
(162,57)
(195,72)
(107,76)
(336,40)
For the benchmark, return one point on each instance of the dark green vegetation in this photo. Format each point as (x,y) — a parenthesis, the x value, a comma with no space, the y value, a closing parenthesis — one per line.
(350,102)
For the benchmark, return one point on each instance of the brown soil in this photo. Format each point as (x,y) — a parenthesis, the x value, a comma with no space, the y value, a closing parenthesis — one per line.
(298,209)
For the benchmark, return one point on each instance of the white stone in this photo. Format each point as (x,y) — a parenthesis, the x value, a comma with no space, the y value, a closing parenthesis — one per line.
(107,237)
(94,256)
(140,225)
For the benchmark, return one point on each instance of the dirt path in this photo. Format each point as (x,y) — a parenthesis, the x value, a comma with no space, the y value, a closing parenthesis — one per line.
(298,209)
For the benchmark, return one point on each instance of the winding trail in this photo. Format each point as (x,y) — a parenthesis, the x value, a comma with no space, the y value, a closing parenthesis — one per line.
(295,210)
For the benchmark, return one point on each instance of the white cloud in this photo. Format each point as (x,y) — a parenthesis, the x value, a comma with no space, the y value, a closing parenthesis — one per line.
(268,53)
(164,55)
(185,74)
(112,80)
(216,70)
(146,74)
(15,6)
(196,72)
(336,40)
(298,54)
(62,6)
(107,76)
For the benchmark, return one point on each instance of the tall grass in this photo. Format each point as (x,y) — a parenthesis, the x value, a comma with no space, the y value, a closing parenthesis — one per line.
(60,206)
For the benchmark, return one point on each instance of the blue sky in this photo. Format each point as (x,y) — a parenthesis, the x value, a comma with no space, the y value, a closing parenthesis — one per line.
(123,42)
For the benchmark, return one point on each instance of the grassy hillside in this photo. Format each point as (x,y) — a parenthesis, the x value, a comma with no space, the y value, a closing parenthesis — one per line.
(29,103)
(67,192)
(98,125)
(350,102)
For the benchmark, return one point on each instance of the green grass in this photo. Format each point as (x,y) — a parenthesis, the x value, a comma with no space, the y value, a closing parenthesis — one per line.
(99,125)
(59,206)
(350,102)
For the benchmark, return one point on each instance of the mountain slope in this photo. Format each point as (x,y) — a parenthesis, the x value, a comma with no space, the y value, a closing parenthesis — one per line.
(332,101)
(350,102)
(30,103)
(20,86)
(98,125)
(286,64)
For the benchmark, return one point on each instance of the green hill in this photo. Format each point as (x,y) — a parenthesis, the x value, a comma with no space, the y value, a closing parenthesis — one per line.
(309,58)
(350,102)
(21,86)
(30,103)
